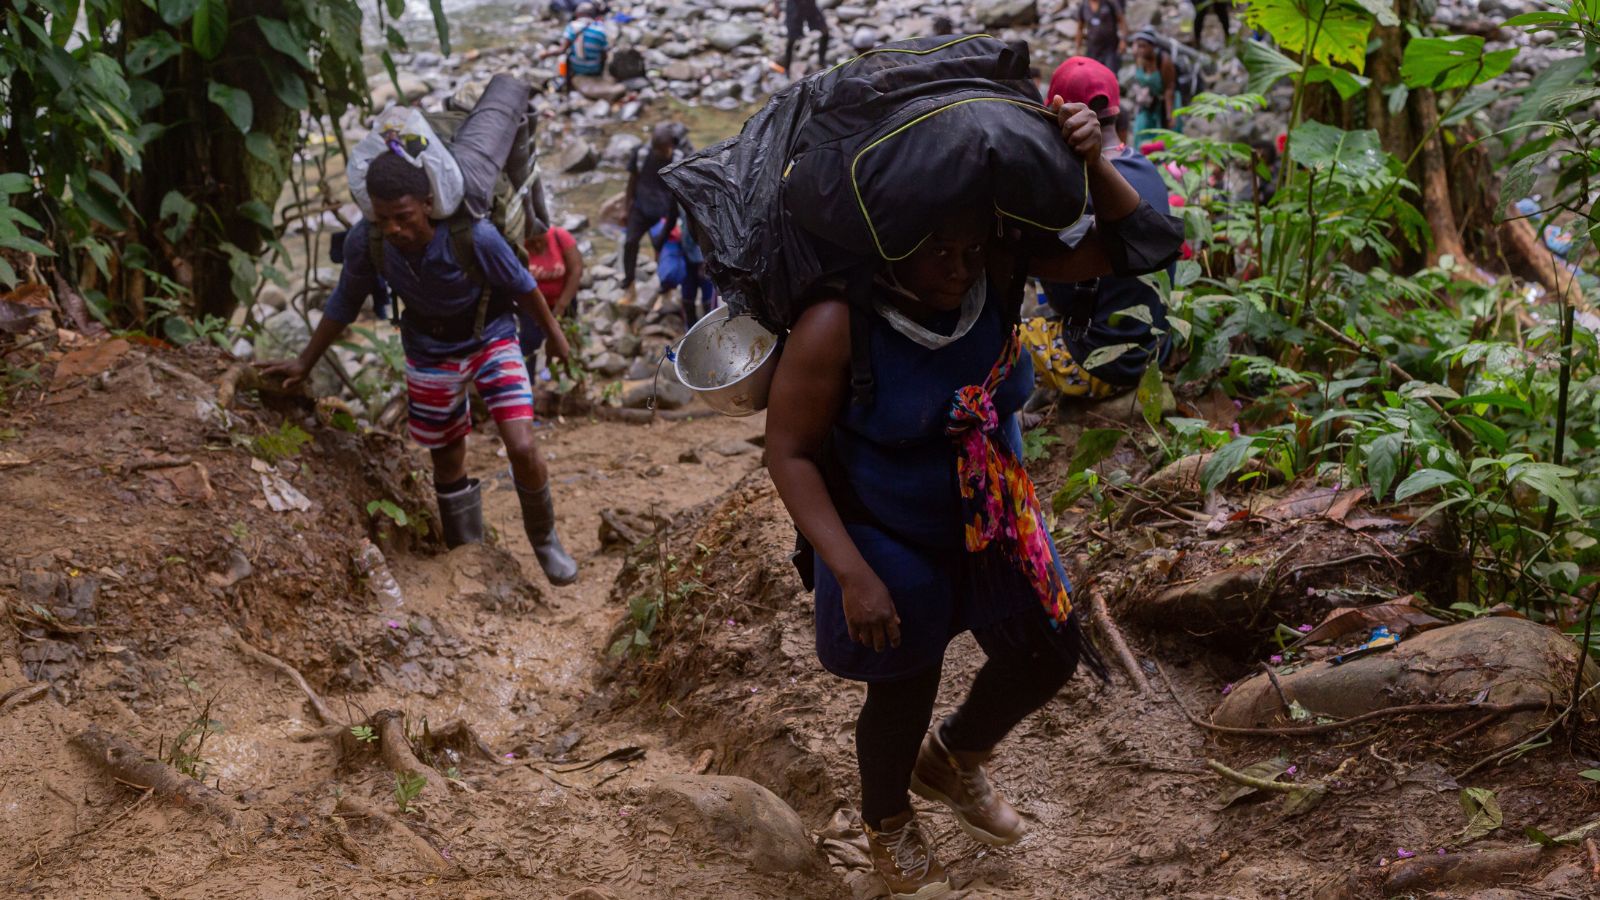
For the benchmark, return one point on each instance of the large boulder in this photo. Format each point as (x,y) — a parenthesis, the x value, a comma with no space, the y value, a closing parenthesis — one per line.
(621,148)
(737,816)
(578,157)
(1006,13)
(412,88)
(1506,660)
(727,36)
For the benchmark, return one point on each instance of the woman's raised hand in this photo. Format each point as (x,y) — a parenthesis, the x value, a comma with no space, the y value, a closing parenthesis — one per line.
(1080,126)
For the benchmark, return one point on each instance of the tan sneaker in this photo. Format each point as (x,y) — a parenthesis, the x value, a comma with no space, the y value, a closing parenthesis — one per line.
(958,781)
(903,857)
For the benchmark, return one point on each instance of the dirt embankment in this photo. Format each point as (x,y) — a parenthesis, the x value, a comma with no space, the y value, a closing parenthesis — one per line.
(213,687)
(208,688)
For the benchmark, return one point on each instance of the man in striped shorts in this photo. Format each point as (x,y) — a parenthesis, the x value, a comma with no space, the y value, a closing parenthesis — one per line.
(446,350)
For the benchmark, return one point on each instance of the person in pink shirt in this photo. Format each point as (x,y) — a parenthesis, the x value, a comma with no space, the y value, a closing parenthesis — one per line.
(557,266)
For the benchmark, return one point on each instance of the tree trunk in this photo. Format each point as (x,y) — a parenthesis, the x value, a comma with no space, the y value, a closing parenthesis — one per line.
(205,157)
(1430,169)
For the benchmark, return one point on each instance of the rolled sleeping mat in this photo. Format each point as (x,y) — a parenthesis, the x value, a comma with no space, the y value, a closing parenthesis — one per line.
(484,141)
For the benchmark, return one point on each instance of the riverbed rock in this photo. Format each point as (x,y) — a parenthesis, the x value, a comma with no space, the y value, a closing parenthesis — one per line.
(578,157)
(412,88)
(1508,660)
(626,63)
(678,70)
(1006,13)
(621,148)
(736,816)
(667,391)
(727,36)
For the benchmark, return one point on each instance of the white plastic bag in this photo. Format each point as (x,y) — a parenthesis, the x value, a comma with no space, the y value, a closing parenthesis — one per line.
(405,124)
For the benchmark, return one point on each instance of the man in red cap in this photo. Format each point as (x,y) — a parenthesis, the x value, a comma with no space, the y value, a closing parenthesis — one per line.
(1090,309)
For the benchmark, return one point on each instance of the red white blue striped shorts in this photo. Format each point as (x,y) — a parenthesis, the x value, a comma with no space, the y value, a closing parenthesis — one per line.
(437,392)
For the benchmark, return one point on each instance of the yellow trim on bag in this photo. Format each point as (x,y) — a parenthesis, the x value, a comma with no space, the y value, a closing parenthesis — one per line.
(862,204)
(944,46)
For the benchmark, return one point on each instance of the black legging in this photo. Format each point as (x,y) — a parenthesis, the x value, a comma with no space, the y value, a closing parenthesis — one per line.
(1220,7)
(639,225)
(1021,675)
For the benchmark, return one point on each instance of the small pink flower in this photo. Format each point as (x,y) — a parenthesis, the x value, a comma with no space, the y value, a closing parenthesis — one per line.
(755,690)
(1276,659)
(1441,851)
(392,623)
(1236,432)
(1291,771)
(1305,629)
(1403,853)
(1227,689)
(511,756)
(730,623)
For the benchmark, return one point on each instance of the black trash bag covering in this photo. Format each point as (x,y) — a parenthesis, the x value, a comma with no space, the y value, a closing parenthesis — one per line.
(858,164)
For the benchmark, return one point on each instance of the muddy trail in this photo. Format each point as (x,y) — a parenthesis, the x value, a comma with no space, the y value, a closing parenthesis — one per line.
(211,577)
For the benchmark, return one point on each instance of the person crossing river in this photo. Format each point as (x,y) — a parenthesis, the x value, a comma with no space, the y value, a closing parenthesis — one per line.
(446,352)
(895,496)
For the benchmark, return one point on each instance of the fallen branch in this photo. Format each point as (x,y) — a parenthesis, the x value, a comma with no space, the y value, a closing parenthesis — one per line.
(1593,853)
(1325,727)
(426,854)
(128,764)
(1102,621)
(261,656)
(1424,873)
(1263,784)
(395,750)
(228,385)
(20,695)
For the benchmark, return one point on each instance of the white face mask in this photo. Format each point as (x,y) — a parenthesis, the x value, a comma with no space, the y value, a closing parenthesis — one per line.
(971,306)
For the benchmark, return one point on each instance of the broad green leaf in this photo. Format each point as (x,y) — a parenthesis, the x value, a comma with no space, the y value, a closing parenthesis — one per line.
(1538,18)
(235,102)
(260,146)
(1554,482)
(282,38)
(1383,462)
(15,183)
(1382,10)
(1493,398)
(1103,355)
(1518,180)
(1094,446)
(1423,480)
(1188,273)
(94,203)
(286,85)
(1266,66)
(1319,147)
(8,275)
(242,268)
(1303,799)
(1483,813)
(176,12)
(1150,393)
(62,21)
(1225,462)
(25,245)
(1591,774)
(1346,82)
(1397,99)
(1486,431)
(181,210)
(1342,36)
(211,30)
(1447,63)
(396,8)
(148,52)
(441,24)
(1266,770)
(257,212)
(394,38)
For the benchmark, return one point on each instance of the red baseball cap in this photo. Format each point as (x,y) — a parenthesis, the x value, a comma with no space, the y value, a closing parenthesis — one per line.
(1082,80)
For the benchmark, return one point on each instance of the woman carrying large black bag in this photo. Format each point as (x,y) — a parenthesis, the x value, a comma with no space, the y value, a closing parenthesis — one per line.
(923,521)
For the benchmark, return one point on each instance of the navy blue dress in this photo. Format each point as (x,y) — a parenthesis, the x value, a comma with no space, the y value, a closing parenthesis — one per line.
(905,514)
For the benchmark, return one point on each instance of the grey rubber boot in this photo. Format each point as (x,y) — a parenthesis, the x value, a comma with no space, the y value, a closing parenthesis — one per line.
(539,519)
(461,515)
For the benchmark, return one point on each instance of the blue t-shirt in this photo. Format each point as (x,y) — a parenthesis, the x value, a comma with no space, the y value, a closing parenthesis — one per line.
(1116,294)
(589,42)
(433,286)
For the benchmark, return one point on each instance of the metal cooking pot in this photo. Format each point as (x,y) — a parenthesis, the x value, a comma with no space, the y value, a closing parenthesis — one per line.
(729,362)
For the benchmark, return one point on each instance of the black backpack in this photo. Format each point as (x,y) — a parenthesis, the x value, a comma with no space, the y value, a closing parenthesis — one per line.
(851,169)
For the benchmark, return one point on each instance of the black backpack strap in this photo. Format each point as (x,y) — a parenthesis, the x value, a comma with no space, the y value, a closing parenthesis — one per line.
(466,254)
(375,256)
(858,294)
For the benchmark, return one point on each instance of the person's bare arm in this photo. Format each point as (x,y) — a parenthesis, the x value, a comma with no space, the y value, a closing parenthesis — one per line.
(809,389)
(295,370)
(1114,199)
(533,303)
(569,288)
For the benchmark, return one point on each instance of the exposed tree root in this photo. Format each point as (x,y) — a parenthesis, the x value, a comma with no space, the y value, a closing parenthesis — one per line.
(17,696)
(1102,621)
(356,808)
(130,765)
(395,750)
(261,656)
(1325,727)
(1428,872)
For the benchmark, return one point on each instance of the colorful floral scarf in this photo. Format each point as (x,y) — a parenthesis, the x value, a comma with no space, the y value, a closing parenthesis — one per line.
(996,493)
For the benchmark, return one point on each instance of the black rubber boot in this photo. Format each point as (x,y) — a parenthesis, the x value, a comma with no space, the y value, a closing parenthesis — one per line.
(461,515)
(539,519)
